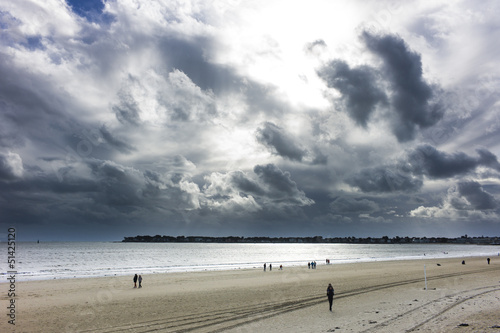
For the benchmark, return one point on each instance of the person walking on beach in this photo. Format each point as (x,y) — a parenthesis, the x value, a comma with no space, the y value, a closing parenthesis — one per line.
(264,267)
(135,281)
(330,292)
(270,267)
(488,260)
(140,281)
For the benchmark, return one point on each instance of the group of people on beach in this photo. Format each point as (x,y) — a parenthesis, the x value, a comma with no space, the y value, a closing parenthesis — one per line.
(310,265)
(271,267)
(137,279)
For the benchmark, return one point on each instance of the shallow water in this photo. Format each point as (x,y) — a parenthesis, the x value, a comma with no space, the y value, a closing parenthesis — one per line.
(54,260)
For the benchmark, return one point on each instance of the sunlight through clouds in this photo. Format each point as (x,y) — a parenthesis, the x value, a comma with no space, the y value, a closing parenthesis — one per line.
(185,115)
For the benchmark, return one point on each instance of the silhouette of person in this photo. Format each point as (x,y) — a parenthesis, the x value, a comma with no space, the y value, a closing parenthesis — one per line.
(135,281)
(140,281)
(264,267)
(488,260)
(270,267)
(330,292)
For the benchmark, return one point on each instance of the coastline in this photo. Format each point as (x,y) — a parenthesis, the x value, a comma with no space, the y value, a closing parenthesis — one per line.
(369,296)
(314,240)
(49,261)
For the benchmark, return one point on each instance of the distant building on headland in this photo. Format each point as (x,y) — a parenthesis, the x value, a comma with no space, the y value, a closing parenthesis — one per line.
(316,239)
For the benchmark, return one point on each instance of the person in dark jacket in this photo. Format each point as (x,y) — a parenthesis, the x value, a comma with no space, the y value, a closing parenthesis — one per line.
(330,292)
(135,281)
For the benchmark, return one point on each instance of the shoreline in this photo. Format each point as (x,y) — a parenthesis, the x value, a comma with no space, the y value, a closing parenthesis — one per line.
(48,271)
(293,264)
(370,296)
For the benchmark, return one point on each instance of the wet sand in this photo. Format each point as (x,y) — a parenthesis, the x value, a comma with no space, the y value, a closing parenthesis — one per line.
(369,297)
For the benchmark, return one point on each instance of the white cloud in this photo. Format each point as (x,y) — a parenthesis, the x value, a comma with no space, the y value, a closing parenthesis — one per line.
(465,201)
(49,18)
(11,166)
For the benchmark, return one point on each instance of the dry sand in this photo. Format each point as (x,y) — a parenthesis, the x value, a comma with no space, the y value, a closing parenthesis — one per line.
(369,297)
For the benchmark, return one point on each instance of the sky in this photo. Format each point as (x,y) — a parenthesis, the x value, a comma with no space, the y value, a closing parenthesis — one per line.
(249,118)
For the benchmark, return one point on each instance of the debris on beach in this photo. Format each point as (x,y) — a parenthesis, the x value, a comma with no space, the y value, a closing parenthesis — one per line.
(463,325)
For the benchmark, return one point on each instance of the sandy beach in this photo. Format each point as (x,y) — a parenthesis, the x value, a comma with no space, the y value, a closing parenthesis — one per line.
(369,297)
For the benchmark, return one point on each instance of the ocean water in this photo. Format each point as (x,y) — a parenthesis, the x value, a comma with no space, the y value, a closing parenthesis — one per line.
(57,260)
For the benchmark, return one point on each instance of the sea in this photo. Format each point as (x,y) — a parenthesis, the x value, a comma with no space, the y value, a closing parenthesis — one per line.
(62,260)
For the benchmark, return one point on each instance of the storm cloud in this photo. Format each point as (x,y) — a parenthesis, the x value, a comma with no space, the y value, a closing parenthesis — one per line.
(280,142)
(121,118)
(427,160)
(385,179)
(359,87)
(407,173)
(397,87)
(412,98)
(351,205)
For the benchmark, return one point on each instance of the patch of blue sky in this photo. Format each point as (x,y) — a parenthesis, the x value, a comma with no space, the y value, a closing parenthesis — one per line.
(92,10)
(34,42)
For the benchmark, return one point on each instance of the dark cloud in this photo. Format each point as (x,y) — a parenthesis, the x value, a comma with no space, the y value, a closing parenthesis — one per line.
(105,192)
(424,160)
(190,57)
(385,179)
(280,142)
(9,138)
(427,160)
(66,181)
(397,88)
(487,158)
(412,98)
(246,185)
(120,186)
(280,186)
(359,87)
(29,108)
(348,205)
(118,144)
(476,196)
(127,111)
(126,187)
